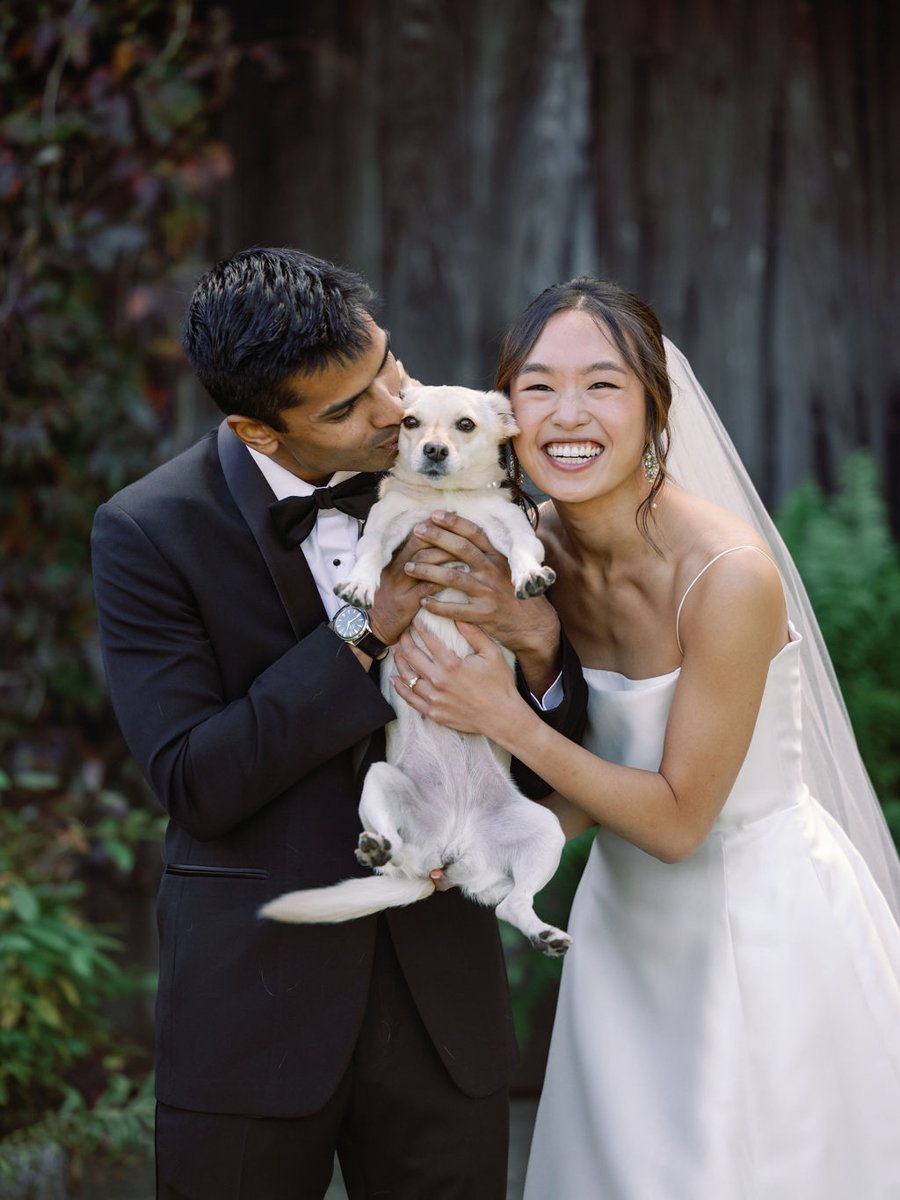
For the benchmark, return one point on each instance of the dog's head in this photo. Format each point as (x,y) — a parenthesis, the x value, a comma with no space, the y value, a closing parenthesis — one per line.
(450,436)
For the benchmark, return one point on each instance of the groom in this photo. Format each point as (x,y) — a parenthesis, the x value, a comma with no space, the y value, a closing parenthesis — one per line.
(252,704)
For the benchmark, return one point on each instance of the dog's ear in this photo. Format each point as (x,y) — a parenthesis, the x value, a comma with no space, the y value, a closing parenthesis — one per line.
(406,380)
(499,402)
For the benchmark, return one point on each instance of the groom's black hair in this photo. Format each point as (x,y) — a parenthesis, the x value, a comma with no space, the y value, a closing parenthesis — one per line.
(263,316)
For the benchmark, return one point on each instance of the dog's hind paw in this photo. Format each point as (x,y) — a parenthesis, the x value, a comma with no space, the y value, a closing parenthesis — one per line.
(552,942)
(373,850)
(535,584)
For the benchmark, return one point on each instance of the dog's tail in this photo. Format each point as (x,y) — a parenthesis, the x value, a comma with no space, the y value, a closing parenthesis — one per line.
(346,901)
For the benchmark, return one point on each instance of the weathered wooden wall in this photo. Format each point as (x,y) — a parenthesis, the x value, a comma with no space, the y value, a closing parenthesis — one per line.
(737,164)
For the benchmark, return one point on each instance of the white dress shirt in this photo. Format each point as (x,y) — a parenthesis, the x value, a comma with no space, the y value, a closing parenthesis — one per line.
(330,549)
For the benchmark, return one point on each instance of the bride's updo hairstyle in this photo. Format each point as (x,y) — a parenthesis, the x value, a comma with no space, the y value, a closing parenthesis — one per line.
(634,328)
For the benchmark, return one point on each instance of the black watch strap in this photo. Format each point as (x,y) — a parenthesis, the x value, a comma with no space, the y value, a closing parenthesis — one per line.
(371,645)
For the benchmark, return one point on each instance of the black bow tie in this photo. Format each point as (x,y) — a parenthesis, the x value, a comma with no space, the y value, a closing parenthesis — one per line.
(295,516)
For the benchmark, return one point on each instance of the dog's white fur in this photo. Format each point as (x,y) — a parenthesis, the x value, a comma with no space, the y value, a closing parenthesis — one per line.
(442,797)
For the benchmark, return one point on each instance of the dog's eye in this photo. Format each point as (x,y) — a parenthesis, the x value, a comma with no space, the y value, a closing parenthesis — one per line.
(410,422)
(465,424)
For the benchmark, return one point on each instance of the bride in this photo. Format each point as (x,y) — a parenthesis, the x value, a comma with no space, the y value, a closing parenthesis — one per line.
(728,1025)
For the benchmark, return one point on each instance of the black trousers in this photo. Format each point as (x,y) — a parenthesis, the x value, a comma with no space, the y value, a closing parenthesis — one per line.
(401,1128)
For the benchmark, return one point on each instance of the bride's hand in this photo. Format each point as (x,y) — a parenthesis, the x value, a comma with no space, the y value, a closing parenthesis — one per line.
(476,694)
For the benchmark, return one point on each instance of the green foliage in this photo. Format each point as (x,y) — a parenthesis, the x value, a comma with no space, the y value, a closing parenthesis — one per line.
(117,1123)
(108,160)
(850,565)
(57,970)
(532,976)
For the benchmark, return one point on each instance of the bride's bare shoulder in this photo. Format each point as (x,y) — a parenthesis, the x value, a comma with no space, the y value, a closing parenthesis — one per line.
(703,529)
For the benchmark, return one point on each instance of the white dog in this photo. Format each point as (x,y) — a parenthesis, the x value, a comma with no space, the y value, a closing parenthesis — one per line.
(442,797)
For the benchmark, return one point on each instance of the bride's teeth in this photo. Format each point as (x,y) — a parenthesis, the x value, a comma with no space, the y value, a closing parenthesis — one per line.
(574,452)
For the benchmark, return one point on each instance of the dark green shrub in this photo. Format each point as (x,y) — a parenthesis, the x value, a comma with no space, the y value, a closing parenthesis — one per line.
(850,565)
(107,162)
(57,972)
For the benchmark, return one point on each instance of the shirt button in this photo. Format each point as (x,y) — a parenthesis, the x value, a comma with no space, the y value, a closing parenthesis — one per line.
(335,562)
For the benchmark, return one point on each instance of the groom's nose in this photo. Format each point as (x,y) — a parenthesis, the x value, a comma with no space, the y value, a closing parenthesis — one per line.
(388,410)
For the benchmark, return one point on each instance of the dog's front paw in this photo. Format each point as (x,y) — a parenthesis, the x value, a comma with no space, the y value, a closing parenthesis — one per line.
(355,592)
(552,942)
(373,850)
(534,584)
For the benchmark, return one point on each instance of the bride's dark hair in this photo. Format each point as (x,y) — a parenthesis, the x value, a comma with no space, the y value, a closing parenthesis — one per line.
(635,329)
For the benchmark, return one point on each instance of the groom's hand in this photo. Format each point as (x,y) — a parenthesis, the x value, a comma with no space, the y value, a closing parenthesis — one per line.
(529,628)
(400,593)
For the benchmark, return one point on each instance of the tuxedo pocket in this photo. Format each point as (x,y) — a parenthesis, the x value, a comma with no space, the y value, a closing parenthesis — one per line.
(202,871)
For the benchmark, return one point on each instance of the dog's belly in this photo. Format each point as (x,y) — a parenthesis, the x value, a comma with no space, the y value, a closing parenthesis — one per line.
(459,784)
(458,770)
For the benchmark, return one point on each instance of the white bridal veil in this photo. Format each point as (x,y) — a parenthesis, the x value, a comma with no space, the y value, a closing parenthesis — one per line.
(703,460)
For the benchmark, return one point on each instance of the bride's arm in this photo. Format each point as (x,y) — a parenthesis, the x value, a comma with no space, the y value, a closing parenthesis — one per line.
(732,627)
(574,820)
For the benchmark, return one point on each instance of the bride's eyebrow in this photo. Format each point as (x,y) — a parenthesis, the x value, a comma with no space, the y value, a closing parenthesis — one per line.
(605,366)
(542,368)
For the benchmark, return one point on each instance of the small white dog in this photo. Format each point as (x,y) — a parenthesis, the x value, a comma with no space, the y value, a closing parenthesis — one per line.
(442,797)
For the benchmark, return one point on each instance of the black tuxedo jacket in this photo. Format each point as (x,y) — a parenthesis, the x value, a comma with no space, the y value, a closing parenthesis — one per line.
(253,724)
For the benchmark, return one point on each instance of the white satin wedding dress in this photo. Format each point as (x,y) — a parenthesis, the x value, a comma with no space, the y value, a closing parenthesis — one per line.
(728,1027)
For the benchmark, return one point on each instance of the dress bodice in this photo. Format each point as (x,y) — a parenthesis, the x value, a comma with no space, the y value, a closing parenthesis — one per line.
(627,725)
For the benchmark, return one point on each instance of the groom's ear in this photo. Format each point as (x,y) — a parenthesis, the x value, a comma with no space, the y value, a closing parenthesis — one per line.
(256,434)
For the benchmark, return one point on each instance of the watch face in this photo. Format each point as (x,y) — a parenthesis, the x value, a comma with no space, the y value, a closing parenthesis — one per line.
(350,622)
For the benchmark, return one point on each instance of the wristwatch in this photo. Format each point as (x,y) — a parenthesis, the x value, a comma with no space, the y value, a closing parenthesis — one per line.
(351,624)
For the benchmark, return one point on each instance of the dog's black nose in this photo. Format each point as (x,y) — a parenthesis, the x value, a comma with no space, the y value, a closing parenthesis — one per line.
(436,451)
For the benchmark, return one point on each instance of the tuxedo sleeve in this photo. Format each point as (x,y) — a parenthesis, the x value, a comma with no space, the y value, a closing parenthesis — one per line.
(568,718)
(213,759)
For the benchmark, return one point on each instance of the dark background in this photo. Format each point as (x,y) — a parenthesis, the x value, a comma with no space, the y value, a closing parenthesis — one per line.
(736,164)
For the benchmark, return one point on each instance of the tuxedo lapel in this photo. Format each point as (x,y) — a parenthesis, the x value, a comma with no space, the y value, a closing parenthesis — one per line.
(288,568)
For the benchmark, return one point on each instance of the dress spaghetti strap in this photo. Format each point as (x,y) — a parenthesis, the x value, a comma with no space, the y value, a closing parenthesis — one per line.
(702,572)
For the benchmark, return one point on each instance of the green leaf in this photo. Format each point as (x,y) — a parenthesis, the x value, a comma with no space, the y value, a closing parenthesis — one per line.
(24,902)
(37,781)
(80,961)
(122,855)
(47,1012)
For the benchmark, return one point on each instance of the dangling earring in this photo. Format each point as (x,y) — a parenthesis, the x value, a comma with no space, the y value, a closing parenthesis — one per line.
(651,464)
(514,472)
